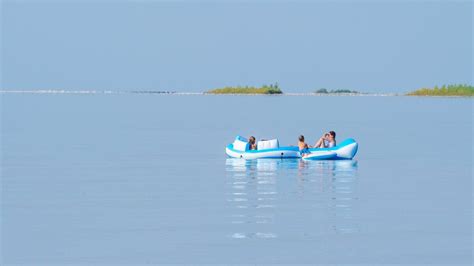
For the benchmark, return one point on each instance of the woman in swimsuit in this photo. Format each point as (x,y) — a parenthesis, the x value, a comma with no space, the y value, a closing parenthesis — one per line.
(331,139)
(322,142)
(328,140)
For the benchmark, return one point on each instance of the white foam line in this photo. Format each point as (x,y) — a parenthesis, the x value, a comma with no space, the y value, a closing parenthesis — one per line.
(339,94)
(58,92)
(189,93)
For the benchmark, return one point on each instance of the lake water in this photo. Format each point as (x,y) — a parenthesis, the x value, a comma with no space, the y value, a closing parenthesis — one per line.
(144,179)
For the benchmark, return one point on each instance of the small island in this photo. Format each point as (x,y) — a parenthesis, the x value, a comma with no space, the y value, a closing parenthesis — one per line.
(265,89)
(325,91)
(450,90)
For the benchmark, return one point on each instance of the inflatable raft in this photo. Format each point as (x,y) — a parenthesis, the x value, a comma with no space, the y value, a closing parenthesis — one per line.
(346,150)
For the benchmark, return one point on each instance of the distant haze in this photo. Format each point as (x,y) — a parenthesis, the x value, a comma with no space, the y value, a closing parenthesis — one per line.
(372,46)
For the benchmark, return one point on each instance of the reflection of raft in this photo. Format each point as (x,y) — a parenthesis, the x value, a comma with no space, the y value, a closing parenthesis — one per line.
(346,150)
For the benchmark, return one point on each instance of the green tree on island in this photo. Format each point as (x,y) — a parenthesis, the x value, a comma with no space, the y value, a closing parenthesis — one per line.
(450,90)
(265,89)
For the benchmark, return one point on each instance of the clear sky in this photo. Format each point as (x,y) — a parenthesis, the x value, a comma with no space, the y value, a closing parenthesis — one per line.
(373,46)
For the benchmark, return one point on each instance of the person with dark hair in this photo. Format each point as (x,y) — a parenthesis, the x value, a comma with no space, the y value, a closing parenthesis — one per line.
(328,140)
(302,146)
(322,142)
(252,143)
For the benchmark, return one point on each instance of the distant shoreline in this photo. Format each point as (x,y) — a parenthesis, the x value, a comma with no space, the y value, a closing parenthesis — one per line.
(153,92)
(452,90)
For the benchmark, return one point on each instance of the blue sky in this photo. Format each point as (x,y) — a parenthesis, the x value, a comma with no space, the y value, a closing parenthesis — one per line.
(374,46)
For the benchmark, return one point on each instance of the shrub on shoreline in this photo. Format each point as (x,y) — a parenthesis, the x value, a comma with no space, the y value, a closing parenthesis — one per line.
(450,90)
(265,89)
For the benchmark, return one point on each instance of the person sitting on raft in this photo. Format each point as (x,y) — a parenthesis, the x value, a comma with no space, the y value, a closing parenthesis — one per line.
(252,144)
(302,146)
(322,142)
(328,140)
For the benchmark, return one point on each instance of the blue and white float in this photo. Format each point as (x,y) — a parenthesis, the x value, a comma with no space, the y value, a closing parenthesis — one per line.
(240,148)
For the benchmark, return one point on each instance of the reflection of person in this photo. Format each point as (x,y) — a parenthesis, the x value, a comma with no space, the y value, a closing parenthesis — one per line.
(302,146)
(252,144)
(302,167)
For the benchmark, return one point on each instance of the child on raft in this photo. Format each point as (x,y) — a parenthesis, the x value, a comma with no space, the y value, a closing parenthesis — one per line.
(302,146)
(252,144)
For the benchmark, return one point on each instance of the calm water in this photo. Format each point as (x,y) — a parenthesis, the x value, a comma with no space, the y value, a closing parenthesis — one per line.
(136,179)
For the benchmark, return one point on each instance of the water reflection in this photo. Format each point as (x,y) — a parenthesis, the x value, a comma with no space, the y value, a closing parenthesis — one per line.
(252,194)
(344,197)
(266,195)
